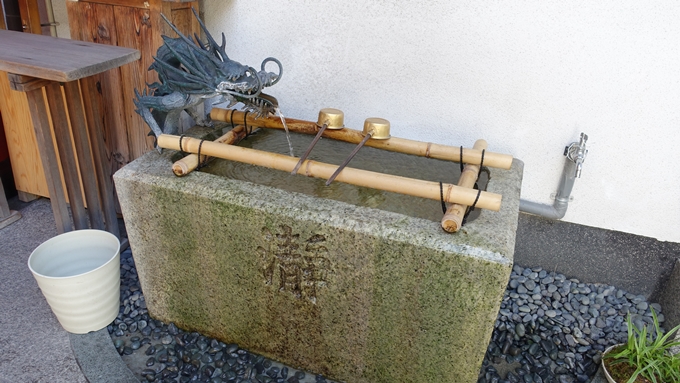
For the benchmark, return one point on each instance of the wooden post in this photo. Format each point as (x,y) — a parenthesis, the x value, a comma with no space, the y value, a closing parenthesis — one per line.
(453,218)
(48,157)
(103,172)
(66,154)
(7,216)
(47,62)
(82,143)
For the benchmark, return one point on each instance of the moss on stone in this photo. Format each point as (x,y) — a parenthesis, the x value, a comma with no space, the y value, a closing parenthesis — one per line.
(381,297)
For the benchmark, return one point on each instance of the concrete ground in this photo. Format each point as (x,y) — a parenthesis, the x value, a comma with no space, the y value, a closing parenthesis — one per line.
(33,345)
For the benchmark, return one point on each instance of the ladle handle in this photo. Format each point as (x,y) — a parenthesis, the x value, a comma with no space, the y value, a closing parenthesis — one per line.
(349,158)
(309,149)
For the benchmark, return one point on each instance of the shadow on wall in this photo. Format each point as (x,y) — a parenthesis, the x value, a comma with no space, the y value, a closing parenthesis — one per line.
(640,265)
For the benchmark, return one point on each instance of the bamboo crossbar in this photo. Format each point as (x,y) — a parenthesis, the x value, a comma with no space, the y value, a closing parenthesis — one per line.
(190,162)
(452,220)
(397,184)
(394,144)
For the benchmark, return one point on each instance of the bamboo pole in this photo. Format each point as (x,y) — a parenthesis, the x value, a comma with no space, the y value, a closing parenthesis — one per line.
(397,184)
(453,218)
(394,144)
(189,163)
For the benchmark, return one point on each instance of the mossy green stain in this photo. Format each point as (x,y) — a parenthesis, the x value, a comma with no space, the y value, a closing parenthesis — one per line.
(402,286)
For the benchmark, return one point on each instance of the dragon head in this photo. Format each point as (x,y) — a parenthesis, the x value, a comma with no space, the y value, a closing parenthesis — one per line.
(197,68)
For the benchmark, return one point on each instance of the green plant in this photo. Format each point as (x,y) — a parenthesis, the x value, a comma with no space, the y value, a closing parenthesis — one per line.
(646,355)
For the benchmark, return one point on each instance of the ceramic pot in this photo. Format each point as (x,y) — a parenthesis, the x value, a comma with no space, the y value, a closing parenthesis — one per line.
(79,274)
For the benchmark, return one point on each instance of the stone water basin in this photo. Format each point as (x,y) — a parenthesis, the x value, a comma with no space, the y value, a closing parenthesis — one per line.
(356,293)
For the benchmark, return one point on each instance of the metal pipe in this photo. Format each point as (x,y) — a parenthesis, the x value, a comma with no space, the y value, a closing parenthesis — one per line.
(50,18)
(576,154)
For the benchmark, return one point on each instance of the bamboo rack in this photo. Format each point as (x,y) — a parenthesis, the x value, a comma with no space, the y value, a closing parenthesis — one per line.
(453,218)
(189,163)
(414,187)
(394,144)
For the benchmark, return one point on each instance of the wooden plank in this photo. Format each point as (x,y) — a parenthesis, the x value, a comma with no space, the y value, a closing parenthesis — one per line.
(30,16)
(66,154)
(49,159)
(82,145)
(183,18)
(95,23)
(144,4)
(25,83)
(134,29)
(21,141)
(102,171)
(58,59)
(2,19)
(27,197)
(179,14)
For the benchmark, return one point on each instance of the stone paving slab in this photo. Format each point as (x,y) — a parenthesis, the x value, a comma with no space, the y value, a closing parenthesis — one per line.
(33,345)
(99,359)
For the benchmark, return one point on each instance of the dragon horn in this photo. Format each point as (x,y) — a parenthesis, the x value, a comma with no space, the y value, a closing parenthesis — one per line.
(198,40)
(211,41)
(186,39)
(179,57)
(181,73)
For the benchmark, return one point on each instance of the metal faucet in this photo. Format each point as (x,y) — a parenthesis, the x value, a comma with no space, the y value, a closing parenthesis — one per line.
(576,152)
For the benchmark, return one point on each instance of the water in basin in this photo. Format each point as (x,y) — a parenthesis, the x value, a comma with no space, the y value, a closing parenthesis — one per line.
(334,152)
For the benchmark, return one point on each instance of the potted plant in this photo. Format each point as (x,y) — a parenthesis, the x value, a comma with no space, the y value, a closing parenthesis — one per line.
(644,358)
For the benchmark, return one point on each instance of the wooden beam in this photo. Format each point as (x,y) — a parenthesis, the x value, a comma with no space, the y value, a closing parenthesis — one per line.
(30,16)
(66,154)
(25,83)
(84,154)
(3,25)
(48,157)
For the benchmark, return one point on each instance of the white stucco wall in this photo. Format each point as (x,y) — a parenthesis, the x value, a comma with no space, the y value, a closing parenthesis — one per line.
(527,76)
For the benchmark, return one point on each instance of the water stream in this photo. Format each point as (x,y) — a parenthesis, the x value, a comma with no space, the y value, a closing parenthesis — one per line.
(285,127)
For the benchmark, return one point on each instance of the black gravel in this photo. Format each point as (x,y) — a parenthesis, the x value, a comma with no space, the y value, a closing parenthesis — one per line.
(550,329)
(554,329)
(173,355)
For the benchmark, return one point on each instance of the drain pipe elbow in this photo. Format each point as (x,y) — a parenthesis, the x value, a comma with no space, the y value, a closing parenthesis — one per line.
(543,210)
(576,154)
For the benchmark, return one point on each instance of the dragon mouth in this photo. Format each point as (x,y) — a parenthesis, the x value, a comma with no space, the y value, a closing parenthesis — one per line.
(240,87)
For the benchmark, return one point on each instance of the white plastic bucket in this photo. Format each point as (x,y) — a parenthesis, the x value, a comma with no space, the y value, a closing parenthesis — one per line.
(79,275)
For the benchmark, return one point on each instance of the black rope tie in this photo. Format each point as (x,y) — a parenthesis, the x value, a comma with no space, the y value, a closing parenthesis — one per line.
(201,163)
(471,208)
(180,144)
(481,163)
(441,196)
(245,124)
(231,118)
(476,186)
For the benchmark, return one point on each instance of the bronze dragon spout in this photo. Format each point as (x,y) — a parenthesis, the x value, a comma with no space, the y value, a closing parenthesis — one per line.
(191,72)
